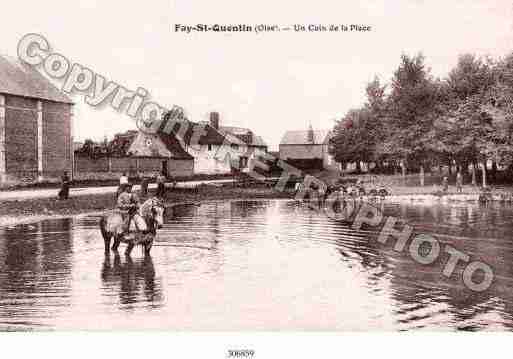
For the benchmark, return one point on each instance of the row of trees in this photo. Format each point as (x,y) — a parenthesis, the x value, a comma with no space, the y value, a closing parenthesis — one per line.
(418,122)
(117,147)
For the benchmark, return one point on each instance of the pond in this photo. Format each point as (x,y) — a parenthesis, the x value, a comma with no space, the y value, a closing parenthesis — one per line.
(256,265)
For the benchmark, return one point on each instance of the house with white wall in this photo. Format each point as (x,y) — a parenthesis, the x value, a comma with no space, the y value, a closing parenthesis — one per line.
(216,149)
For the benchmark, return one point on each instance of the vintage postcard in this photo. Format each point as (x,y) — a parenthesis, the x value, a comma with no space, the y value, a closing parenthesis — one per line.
(256,166)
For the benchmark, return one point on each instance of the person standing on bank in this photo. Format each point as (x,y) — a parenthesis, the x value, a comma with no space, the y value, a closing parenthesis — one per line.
(65,184)
(445,184)
(123,182)
(144,186)
(459,182)
(161,185)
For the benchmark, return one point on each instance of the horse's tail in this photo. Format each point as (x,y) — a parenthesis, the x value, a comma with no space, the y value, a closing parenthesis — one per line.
(103,228)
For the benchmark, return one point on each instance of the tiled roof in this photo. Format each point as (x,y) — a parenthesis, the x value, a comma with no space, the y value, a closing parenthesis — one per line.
(157,145)
(241,131)
(235,130)
(231,138)
(201,133)
(259,141)
(208,135)
(17,78)
(301,137)
(174,146)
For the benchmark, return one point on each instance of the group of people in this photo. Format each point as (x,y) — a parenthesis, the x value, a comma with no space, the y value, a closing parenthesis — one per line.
(145,181)
(459,183)
(127,201)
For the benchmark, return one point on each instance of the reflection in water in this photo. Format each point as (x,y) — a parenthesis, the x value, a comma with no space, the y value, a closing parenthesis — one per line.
(257,265)
(35,259)
(133,280)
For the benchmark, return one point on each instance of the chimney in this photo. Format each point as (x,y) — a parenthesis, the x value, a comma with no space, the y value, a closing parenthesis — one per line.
(310,134)
(214,120)
(250,137)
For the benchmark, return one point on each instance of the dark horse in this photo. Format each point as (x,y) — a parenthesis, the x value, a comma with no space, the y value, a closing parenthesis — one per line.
(112,225)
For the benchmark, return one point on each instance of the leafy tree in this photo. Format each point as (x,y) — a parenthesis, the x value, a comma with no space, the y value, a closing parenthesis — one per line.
(357,134)
(413,108)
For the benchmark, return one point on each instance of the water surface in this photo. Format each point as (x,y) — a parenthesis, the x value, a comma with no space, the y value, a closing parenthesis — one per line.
(256,265)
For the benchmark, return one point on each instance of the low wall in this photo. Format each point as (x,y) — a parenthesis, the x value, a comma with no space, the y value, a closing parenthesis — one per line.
(107,168)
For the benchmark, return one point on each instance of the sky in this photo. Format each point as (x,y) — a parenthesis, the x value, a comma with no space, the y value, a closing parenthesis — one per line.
(269,82)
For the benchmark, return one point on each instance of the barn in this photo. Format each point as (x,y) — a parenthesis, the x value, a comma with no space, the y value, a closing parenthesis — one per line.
(306,149)
(35,125)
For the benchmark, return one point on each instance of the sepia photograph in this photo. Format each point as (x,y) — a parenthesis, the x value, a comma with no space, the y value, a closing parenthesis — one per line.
(256,167)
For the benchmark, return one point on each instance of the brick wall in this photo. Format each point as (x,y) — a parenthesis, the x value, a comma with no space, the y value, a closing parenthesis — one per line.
(150,164)
(103,168)
(124,164)
(24,160)
(56,139)
(87,164)
(180,168)
(21,138)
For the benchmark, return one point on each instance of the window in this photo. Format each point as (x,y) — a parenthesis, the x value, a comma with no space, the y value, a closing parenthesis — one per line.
(209,147)
(235,146)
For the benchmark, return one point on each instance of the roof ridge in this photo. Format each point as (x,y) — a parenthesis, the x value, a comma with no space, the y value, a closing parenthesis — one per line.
(20,79)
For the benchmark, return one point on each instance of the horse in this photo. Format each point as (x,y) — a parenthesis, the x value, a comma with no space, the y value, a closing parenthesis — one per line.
(112,226)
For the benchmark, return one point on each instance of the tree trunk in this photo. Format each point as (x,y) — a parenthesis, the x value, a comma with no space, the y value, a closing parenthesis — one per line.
(379,167)
(422,177)
(464,167)
(358,167)
(403,170)
(493,174)
(473,169)
(484,174)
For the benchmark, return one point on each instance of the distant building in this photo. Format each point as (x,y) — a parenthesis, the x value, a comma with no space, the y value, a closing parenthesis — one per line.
(77,145)
(306,149)
(36,140)
(219,149)
(256,144)
(175,161)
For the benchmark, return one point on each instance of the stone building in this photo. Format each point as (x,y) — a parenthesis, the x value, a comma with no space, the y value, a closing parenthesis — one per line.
(35,125)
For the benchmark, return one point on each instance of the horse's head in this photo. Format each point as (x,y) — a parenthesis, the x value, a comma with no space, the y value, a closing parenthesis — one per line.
(154,209)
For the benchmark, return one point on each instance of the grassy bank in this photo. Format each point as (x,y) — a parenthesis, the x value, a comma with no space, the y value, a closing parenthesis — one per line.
(18,211)
(410,184)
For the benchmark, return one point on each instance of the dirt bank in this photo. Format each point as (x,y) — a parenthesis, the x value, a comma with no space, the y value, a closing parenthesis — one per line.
(14,212)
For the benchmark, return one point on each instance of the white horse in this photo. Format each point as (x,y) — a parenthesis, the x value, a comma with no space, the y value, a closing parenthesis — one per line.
(112,225)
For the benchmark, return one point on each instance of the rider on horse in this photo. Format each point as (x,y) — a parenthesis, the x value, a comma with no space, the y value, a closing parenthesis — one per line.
(128,205)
